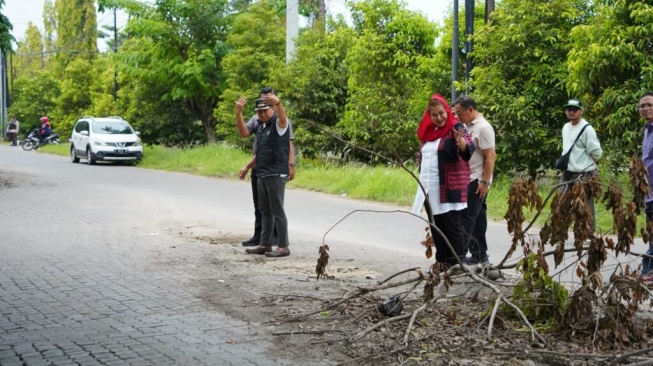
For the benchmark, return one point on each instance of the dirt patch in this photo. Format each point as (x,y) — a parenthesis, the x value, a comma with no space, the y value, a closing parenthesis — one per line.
(9,179)
(272,293)
(12,179)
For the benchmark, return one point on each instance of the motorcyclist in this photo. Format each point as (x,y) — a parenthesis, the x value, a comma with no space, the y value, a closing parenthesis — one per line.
(45,130)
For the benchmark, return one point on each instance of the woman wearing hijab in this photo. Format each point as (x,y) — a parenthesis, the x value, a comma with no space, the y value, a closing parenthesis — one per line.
(445,150)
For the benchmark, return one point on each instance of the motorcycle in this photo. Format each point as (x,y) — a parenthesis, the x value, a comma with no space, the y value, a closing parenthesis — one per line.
(32,141)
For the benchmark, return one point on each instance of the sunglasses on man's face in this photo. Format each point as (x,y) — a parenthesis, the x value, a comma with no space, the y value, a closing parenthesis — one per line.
(572,110)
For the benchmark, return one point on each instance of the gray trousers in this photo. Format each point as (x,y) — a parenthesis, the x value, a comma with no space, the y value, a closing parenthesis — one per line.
(271,191)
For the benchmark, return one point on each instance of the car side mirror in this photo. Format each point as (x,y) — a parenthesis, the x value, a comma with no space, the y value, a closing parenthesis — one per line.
(138,133)
(85,133)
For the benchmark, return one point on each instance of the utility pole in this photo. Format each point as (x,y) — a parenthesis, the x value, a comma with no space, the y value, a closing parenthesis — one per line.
(469,43)
(292,27)
(489,8)
(455,52)
(3,92)
(115,50)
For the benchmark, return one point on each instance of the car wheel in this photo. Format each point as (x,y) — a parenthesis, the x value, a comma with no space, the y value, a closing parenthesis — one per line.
(89,156)
(73,156)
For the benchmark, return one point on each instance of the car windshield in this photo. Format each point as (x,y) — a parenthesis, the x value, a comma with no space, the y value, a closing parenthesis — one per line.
(112,128)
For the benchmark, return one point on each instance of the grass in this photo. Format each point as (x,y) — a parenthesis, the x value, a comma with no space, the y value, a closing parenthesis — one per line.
(379,183)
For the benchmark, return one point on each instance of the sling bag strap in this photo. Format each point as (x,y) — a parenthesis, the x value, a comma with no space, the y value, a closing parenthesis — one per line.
(576,140)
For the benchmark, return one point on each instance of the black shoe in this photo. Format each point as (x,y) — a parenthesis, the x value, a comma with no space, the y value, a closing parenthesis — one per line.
(251,242)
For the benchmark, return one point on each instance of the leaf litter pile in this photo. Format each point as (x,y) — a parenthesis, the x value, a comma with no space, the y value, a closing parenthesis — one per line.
(475,315)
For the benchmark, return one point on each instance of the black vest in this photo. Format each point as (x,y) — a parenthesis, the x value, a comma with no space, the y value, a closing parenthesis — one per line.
(271,149)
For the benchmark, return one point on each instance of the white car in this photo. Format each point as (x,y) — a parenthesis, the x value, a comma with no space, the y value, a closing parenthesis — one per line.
(106,138)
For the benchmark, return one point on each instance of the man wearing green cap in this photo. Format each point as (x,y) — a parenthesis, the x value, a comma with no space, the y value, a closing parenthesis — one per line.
(579,136)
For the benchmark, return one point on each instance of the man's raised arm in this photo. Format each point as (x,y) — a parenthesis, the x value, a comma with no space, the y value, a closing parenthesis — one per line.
(240,121)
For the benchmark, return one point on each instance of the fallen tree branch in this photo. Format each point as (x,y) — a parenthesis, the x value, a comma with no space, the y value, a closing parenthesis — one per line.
(398,274)
(491,286)
(361,291)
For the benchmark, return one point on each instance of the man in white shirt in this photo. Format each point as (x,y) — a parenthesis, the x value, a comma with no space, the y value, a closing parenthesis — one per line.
(481,170)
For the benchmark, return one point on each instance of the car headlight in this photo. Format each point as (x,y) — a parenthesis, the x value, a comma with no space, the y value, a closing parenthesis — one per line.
(137,143)
(99,143)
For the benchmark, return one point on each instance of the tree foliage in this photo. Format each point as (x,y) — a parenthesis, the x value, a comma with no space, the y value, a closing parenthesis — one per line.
(50,26)
(33,98)
(384,64)
(160,119)
(257,49)
(315,83)
(29,58)
(519,78)
(178,46)
(186,61)
(611,63)
(5,30)
(76,22)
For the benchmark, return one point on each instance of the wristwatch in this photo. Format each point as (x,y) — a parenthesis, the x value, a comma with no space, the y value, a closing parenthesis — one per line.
(293,164)
(488,184)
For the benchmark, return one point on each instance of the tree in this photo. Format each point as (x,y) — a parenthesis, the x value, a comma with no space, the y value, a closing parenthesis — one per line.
(257,48)
(177,46)
(160,119)
(519,78)
(74,99)
(611,64)
(33,98)
(385,84)
(76,23)
(5,31)
(29,59)
(50,26)
(315,83)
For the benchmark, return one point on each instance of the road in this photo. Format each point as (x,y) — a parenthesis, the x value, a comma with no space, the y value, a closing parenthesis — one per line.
(81,274)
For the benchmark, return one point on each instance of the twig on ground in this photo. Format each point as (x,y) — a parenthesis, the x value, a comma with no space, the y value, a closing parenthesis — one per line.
(494,314)
(648,362)
(626,356)
(555,353)
(398,274)
(319,331)
(377,355)
(291,295)
(380,324)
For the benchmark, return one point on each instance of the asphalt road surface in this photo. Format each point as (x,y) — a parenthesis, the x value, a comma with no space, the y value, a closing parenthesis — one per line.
(81,280)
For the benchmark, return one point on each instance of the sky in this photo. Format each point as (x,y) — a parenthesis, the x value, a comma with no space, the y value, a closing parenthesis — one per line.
(21,12)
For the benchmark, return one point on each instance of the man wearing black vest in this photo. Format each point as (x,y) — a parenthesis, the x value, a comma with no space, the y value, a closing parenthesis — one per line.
(245,130)
(272,165)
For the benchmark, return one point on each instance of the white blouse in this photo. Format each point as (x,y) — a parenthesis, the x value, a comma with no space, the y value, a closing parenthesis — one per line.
(428,176)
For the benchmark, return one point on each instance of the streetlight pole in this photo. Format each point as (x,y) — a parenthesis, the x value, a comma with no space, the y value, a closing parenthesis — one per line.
(455,52)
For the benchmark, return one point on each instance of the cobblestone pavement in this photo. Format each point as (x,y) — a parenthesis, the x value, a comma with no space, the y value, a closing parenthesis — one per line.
(87,276)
